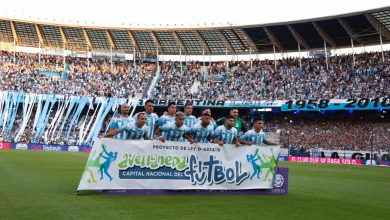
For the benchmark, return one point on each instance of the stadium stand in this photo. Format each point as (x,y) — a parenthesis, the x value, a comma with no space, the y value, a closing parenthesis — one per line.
(368,78)
(93,78)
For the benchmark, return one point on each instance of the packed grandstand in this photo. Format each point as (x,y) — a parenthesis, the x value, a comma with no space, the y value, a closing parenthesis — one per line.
(323,76)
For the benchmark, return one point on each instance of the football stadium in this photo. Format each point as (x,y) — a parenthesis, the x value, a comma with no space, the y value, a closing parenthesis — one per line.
(163,110)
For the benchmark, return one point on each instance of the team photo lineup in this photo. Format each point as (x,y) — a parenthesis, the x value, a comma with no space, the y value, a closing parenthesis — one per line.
(165,109)
(175,125)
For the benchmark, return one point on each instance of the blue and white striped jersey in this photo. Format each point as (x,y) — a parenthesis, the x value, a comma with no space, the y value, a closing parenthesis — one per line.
(190,121)
(200,133)
(134,132)
(164,119)
(151,120)
(254,137)
(212,122)
(173,133)
(120,122)
(225,135)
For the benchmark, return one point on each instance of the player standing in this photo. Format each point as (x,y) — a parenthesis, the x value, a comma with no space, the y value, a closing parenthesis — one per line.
(120,120)
(256,135)
(173,131)
(238,122)
(151,117)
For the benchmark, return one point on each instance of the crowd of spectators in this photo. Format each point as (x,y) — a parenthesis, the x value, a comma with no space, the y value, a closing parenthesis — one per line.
(334,131)
(368,77)
(86,77)
(174,83)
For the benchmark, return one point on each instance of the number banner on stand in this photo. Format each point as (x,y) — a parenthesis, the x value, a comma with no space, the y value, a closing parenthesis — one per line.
(117,164)
(337,104)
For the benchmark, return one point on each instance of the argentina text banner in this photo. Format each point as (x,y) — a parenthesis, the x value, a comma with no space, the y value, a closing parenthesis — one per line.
(118,164)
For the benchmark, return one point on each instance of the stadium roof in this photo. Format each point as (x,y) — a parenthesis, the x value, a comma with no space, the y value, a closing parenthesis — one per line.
(337,31)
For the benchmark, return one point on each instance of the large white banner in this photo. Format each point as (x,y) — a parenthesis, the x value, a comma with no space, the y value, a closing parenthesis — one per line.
(118,164)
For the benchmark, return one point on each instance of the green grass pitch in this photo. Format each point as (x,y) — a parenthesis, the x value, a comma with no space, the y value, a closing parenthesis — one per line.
(41,185)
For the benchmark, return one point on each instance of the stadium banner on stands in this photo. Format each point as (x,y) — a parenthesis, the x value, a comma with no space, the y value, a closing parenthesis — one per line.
(283,158)
(217,104)
(280,187)
(324,160)
(118,164)
(370,162)
(45,147)
(385,163)
(337,104)
(288,105)
(285,105)
(5,145)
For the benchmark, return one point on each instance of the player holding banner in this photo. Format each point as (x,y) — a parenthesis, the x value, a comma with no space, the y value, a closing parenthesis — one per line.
(119,121)
(135,130)
(203,130)
(256,135)
(227,134)
(173,131)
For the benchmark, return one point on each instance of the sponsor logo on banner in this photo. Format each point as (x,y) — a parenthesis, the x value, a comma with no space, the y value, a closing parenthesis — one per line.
(86,149)
(283,158)
(370,162)
(51,148)
(5,145)
(116,164)
(385,163)
(36,147)
(323,160)
(73,148)
(21,147)
(279,181)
